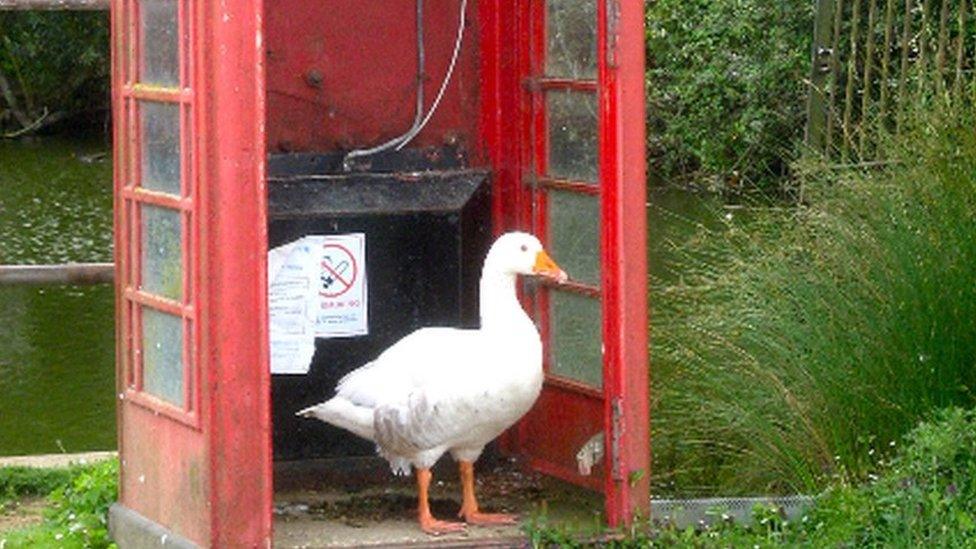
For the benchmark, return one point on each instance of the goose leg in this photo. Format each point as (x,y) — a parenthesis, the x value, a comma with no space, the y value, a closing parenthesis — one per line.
(427,521)
(469,505)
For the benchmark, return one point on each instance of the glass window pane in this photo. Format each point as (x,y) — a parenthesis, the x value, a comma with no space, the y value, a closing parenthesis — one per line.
(162,355)
(160,46)
(571,37)
(576,326)
(161,147)
(574,234)
(572,135)
(162,257)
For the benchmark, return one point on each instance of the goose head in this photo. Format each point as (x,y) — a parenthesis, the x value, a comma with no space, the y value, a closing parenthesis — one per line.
(519,253)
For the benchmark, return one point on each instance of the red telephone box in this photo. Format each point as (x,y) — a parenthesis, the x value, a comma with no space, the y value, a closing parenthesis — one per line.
(546,98)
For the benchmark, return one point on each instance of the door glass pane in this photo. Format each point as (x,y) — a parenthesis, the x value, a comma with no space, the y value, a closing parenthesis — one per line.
(162,252)
(574,234)
(575,337)
(160,45)
(572,135)
(162,355)
(571,37)
(161,147)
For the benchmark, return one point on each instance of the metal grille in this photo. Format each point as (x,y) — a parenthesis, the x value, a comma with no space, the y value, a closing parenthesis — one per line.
(872,59)
(697,512)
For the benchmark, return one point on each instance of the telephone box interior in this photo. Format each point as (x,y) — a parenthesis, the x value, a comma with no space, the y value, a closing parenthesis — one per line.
(343,82)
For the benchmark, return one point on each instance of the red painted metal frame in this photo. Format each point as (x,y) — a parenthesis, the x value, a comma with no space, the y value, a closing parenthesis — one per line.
(363,56)
(620,49)
(513,114)
(213,484)
(538,147)
(571,186)
(161,445)
(234,274)
(132,93)
(203,470)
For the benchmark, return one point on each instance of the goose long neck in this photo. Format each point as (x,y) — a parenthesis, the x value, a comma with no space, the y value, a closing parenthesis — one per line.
(500,307)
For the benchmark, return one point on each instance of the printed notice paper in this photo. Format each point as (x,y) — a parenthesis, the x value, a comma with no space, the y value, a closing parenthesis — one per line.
(317,288)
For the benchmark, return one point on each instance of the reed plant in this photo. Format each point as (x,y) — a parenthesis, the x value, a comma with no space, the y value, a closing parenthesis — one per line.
(792,349)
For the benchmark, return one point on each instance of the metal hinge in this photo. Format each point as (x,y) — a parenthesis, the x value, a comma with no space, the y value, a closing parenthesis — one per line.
(823,59)
(532,84)
(590,454)
(616,438)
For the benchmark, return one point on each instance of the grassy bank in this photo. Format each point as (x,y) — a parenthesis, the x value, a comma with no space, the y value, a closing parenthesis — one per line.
(925,496)
(797,348)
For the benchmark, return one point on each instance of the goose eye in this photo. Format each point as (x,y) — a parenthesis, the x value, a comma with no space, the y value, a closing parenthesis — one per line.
(525,248)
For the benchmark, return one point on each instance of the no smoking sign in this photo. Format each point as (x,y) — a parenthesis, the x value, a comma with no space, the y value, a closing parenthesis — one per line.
(340,308)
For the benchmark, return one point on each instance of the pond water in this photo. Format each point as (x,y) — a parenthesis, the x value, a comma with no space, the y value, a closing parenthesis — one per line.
(57,343)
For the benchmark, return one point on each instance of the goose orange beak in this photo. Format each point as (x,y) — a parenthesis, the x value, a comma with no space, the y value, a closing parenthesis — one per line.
(545,266)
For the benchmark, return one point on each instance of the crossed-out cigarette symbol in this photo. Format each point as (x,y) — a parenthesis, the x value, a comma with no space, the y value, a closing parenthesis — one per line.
(339,270)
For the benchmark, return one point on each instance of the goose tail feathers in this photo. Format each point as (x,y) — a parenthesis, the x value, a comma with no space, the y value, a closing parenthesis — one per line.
(343,414)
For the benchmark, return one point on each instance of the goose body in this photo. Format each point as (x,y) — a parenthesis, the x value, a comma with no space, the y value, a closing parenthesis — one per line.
(439,390)
(442,390)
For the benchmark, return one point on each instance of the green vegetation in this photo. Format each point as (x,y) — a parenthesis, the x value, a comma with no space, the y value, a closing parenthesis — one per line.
(793,348)
(77,515)
(54,68)
(16,482)
(725,87)
(924,497)
(726,92)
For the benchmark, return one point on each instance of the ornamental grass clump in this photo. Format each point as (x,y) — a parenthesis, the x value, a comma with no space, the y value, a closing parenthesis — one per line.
(790,350)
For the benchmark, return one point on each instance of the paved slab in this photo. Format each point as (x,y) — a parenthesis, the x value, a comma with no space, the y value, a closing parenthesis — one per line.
(55,460)
(383,514)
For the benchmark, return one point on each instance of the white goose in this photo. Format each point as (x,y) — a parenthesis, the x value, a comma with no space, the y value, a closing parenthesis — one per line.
(443,390)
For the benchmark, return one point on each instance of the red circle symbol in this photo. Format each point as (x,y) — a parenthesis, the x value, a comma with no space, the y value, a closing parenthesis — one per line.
(339,270)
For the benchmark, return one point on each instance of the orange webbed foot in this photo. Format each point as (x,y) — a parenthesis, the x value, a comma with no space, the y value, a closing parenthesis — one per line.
(436,527)
(489,519)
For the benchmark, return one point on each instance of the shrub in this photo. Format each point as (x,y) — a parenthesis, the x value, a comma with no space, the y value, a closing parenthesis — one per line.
(928,498)
(17,482)
(725,88)
(77,516)
(796,346)
(79,509)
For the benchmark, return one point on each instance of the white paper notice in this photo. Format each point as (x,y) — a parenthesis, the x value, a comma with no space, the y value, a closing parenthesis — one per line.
(317,288)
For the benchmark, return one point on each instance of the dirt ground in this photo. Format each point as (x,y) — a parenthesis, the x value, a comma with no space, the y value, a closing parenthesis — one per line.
(21,513)
(384,513)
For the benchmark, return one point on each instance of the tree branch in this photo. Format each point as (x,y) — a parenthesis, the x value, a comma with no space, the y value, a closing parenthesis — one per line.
(8,94)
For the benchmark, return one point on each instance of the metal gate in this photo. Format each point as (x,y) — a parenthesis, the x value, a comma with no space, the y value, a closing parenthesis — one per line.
(874,59)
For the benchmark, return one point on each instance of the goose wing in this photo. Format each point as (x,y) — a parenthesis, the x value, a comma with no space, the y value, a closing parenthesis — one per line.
(432,416)
(425,357)
(426,390)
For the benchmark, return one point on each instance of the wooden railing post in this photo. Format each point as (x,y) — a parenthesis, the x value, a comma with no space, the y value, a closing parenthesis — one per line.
(69,273)
(53,5)
(822,63)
